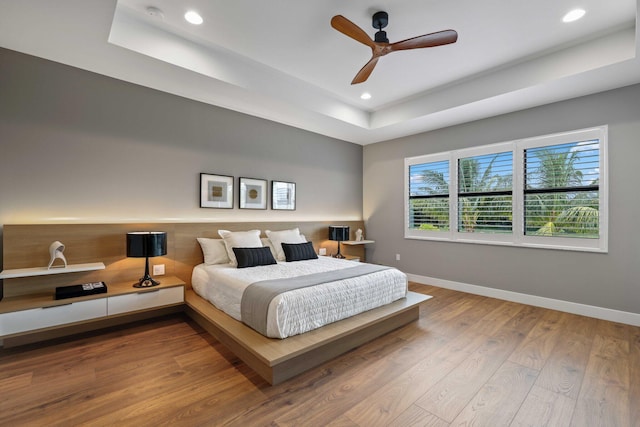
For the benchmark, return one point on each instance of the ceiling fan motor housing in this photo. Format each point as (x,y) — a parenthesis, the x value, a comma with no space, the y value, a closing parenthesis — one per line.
(381,37)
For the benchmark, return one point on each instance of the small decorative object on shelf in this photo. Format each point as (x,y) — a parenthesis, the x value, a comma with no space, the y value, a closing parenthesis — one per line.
(359,236)
(55,250)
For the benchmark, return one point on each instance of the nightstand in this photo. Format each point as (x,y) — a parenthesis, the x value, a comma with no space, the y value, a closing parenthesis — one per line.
(361,251)
(44,317)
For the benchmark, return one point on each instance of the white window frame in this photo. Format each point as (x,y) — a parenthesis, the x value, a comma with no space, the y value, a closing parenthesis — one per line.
(490,238)
(517,237)
(426,234)
(568,243)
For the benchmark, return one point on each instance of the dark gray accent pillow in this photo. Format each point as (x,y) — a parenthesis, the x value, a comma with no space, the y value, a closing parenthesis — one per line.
(299,251)
(252,257)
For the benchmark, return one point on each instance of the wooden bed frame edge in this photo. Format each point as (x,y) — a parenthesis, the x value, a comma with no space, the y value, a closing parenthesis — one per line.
(277,360)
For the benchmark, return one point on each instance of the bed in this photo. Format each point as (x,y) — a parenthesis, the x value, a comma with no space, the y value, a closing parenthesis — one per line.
(303,327)
(297,311)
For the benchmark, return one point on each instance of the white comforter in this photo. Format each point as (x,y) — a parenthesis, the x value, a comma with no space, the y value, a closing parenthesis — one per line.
(300,310)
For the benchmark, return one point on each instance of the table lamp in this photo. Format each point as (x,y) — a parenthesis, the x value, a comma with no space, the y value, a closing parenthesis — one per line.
(145,244)
(339,233)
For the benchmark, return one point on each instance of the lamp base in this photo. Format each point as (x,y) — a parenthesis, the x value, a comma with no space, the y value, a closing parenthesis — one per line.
(146,282)
(339,255)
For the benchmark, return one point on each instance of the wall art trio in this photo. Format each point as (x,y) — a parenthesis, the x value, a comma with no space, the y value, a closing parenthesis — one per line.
(216,191)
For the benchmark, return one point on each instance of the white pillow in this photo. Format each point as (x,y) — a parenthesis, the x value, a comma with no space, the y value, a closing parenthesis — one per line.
(239,239)
(284,236)
(266,242)
(214,251)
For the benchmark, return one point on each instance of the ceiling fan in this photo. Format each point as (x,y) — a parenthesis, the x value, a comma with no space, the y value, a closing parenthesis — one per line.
(380,46)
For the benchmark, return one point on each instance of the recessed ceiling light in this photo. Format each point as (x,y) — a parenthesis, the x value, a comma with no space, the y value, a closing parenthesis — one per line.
(193,17)
(573,15)
(365,95)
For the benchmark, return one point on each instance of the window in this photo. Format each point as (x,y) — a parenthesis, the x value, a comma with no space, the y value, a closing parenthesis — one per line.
(429,196)
(561,193)
(548,192)
(484,193)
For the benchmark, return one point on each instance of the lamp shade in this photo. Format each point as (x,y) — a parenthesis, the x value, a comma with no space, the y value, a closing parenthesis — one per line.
(339,232)
(143,244)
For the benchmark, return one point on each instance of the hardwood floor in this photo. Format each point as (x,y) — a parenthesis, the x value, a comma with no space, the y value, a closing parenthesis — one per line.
(469,360)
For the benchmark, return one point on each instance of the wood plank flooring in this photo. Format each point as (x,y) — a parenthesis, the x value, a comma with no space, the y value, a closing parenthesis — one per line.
(468,360)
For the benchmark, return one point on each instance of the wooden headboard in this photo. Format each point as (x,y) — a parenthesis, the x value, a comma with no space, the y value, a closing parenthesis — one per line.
(28,246)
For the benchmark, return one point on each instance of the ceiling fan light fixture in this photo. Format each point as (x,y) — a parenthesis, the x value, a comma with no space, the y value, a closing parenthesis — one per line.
(193,17)
(573,15)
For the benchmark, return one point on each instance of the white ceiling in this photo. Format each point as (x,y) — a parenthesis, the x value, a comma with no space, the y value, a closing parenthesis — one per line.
(282,61)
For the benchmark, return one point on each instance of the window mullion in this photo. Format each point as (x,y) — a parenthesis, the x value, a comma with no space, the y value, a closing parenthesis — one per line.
(518,193)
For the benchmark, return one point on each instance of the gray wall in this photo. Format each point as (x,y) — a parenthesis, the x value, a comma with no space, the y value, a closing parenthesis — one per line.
(80,147)
(606,280)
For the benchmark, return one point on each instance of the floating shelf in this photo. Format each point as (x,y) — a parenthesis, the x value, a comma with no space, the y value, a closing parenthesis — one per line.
(44,271)
(357,242)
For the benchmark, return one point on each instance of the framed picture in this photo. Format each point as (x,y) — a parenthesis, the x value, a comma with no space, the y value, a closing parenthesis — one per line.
(283,195)
(253,193)
(216,191)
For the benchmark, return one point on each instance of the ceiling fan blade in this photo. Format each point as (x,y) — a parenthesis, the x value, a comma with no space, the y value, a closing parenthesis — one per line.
(365,71)
(428,40)
(350,29)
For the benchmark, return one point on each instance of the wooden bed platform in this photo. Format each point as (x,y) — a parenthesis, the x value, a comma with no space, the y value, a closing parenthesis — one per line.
(277,360)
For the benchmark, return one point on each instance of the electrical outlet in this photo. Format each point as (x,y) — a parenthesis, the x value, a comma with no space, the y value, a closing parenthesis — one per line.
(322,251)
(397,257)
(158,269)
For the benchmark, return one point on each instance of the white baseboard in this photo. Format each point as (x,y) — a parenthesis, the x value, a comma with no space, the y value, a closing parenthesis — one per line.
(554,304)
